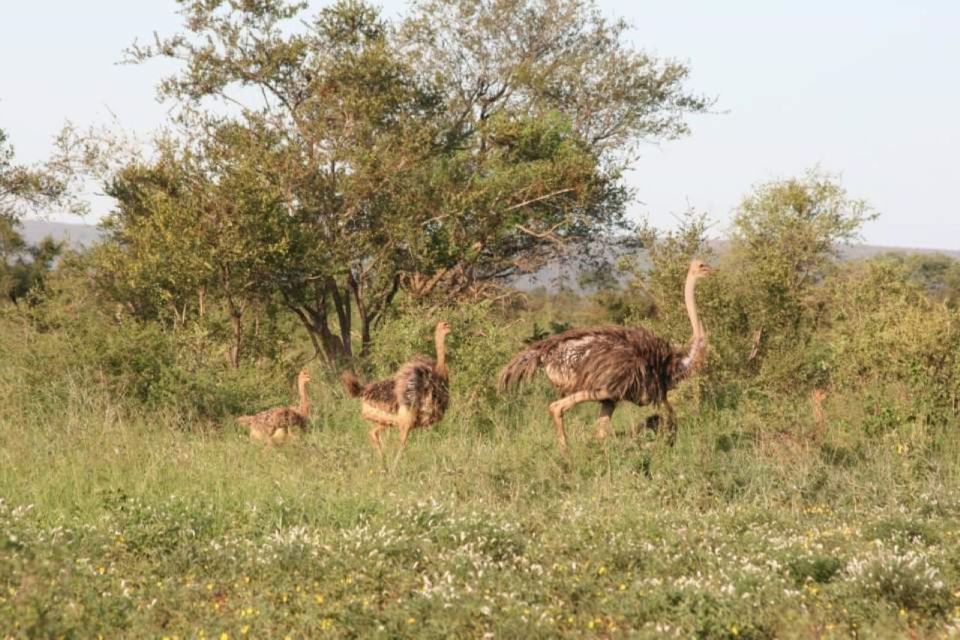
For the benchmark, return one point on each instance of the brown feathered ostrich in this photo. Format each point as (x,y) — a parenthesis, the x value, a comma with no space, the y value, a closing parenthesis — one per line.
(276,426)
(416,396)
(612,364)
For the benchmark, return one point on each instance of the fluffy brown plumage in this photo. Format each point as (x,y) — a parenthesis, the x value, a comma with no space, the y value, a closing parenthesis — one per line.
(632,364)
(611,364)
(416,396)
(277,425)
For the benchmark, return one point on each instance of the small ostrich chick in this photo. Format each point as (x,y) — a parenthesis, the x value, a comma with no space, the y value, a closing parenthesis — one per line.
(416,396)
(277,425)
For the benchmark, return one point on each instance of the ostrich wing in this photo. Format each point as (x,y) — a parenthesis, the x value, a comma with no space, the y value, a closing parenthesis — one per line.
(629,364)
(275,418)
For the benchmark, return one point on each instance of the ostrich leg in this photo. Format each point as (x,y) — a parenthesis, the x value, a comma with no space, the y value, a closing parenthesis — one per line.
(603,420)
(406,419)
(374,435)
(381,420)
(561,406)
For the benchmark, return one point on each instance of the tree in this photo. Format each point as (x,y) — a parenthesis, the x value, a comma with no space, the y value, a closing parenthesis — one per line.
(200,224)
(766,302)
(786,235)
(405,166)
(29,190)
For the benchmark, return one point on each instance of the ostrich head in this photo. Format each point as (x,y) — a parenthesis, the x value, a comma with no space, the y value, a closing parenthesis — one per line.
(442,330)
(699,269)
(303,377)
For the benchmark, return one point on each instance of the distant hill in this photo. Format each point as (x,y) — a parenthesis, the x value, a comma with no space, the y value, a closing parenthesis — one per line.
(563,270)
(862,251)
(76,235)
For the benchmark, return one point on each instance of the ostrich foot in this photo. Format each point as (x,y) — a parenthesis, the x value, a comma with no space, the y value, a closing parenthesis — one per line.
(603,430)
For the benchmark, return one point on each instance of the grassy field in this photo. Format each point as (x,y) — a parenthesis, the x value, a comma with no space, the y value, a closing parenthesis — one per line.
(112,525)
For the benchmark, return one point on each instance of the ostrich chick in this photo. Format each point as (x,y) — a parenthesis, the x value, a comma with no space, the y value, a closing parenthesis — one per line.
(416,396)
(612,364)
(276,426)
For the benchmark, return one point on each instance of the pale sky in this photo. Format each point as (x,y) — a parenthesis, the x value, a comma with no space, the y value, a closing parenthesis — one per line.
(867,90)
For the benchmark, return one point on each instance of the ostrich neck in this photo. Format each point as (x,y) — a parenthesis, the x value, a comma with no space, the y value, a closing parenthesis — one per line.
(698,341)
(304,400)
(441,356)
(691,303)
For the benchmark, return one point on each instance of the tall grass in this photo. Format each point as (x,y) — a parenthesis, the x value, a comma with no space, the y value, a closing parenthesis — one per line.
(117,521)
(131,504)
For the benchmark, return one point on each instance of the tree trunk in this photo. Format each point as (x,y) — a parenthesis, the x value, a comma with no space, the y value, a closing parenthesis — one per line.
(314,320)
(370,307)
(341,304)
(235,319)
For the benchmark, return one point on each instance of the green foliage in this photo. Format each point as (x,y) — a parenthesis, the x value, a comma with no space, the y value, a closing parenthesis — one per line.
(938,275)
(68,342)
(196,228)
(35,189)
(784,239)
(141,529)
(883,329)
(396,164)
(820,569)
(144,523)
(783,245)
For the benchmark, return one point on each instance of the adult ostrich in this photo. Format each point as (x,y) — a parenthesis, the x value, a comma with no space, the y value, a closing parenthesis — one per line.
(611,364)
(416,396)
(276,426)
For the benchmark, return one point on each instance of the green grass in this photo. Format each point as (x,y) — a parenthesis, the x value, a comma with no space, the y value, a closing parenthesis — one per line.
(122,525)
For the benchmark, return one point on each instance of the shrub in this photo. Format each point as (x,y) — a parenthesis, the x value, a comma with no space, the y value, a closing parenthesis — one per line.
(907,579)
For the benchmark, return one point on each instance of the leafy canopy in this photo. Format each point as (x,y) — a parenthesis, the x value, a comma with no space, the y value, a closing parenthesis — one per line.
(438,154)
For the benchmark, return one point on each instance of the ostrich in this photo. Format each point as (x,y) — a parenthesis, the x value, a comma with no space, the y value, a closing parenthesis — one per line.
(416,396)
(817,396)
(611,364)
(275,426)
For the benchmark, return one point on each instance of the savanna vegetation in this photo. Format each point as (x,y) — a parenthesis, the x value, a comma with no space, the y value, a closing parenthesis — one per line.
(329,187)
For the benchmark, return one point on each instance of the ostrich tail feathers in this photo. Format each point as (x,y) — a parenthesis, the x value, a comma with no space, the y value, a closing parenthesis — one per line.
(351,384)
(522,368)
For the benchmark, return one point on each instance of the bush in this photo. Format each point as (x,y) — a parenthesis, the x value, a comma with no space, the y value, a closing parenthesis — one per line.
(906,579)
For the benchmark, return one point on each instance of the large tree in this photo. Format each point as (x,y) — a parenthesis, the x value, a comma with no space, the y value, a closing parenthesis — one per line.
(441,154)
(199,225)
